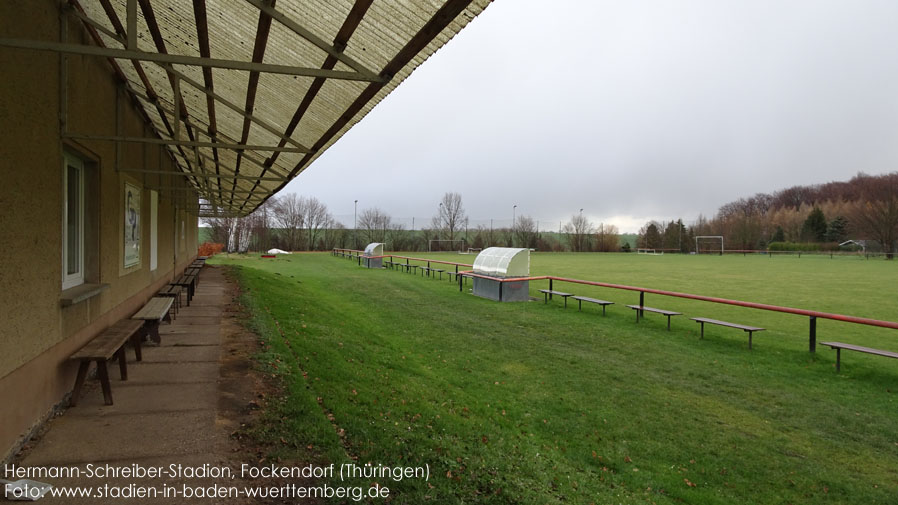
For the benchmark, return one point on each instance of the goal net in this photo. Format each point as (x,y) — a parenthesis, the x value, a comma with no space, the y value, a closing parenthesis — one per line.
(456,245)
(709,244)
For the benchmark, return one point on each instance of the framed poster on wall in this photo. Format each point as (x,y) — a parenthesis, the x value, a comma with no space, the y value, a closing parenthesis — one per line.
(132,225)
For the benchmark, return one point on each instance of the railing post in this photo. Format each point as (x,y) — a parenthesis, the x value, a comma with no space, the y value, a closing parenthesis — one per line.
(812,341)
(550,289)
(641,303)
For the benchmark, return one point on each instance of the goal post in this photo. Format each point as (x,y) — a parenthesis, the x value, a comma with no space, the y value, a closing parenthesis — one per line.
(713,241)
(455,245)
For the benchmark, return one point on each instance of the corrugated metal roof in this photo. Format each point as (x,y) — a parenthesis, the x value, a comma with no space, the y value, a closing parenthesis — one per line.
(328,62)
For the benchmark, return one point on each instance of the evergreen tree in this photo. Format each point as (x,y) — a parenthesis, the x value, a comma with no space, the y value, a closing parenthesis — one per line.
(779,235)
(838,230)
(814,229)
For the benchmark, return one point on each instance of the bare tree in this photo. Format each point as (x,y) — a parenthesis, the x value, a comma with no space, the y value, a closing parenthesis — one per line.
(289,214)
(450,217)
(315,217)
(578,231)
(373,224)
(876,214)
(607,238)
(525,231)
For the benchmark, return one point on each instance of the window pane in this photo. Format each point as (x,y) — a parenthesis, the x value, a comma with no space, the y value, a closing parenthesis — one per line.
(73,221)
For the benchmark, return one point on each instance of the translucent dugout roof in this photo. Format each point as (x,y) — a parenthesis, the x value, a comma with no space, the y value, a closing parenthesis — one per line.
(245,94)
(374,249)
(503,262)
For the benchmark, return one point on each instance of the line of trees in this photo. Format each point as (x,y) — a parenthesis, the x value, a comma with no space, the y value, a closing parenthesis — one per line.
(297,223)
(864,208)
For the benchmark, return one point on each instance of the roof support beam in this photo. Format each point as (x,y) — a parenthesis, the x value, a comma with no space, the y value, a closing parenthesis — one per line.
(356,14)
(177,59)
(202,35)
(186,143)
(333,50)
(440,20)
(247,115)
(261,42)
(207,176)
(131,19)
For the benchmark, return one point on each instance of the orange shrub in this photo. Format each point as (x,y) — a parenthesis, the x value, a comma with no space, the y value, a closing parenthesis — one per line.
(209,249)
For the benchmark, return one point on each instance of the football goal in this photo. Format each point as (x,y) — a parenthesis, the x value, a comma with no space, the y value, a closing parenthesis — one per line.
(456,245)
(709,244)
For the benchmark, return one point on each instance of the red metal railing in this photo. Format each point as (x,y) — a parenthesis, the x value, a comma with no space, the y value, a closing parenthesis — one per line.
(811,314)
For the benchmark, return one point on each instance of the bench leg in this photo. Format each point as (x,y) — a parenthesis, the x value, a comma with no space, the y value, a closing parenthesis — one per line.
(122,363)
(838,359)
(135,339)
(668,323)
(153,331)
(565,302)
(579,305)
(79,381)
(749,341)
(104,381)
(637,315)
(603,311)
(545,297)
(703,329)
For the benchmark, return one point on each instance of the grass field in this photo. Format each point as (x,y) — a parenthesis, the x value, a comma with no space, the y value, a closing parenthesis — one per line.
(532,403)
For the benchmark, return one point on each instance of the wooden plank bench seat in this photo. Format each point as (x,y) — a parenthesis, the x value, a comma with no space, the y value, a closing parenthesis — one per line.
(110,342)
(174,292)
(547,292)
(439,270)
(838,346)
(187,282)
(195,272)
(747,329)
(156,310)
(581,299)
(668,313)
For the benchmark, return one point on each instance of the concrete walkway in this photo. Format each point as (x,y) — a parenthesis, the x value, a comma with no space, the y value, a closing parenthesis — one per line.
(169,411)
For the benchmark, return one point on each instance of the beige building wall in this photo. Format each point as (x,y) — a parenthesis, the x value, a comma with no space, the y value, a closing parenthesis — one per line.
(37,333)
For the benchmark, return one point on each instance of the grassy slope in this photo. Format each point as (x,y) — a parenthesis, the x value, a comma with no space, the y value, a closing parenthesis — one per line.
(529,403)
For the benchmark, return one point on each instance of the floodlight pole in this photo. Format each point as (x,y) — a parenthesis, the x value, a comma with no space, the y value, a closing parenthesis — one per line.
(514,211)
(440,231)
(355,223)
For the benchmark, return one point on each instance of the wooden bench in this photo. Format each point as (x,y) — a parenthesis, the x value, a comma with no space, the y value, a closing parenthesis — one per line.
(154,312)
(425,269)
(195,272)
(547,292)
(110,342)
(668,313)
(173,291)
(748,329)
(187,282)
(581,299)
(838,346)
(440,270)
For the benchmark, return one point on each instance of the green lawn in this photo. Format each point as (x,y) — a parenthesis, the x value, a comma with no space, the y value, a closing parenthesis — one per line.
(531,403)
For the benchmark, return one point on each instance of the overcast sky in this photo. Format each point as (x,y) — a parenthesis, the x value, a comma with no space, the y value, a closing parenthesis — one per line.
(631,110)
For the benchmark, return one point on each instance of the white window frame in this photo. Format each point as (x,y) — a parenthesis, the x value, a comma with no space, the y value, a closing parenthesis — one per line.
(77,278)
(154,230)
